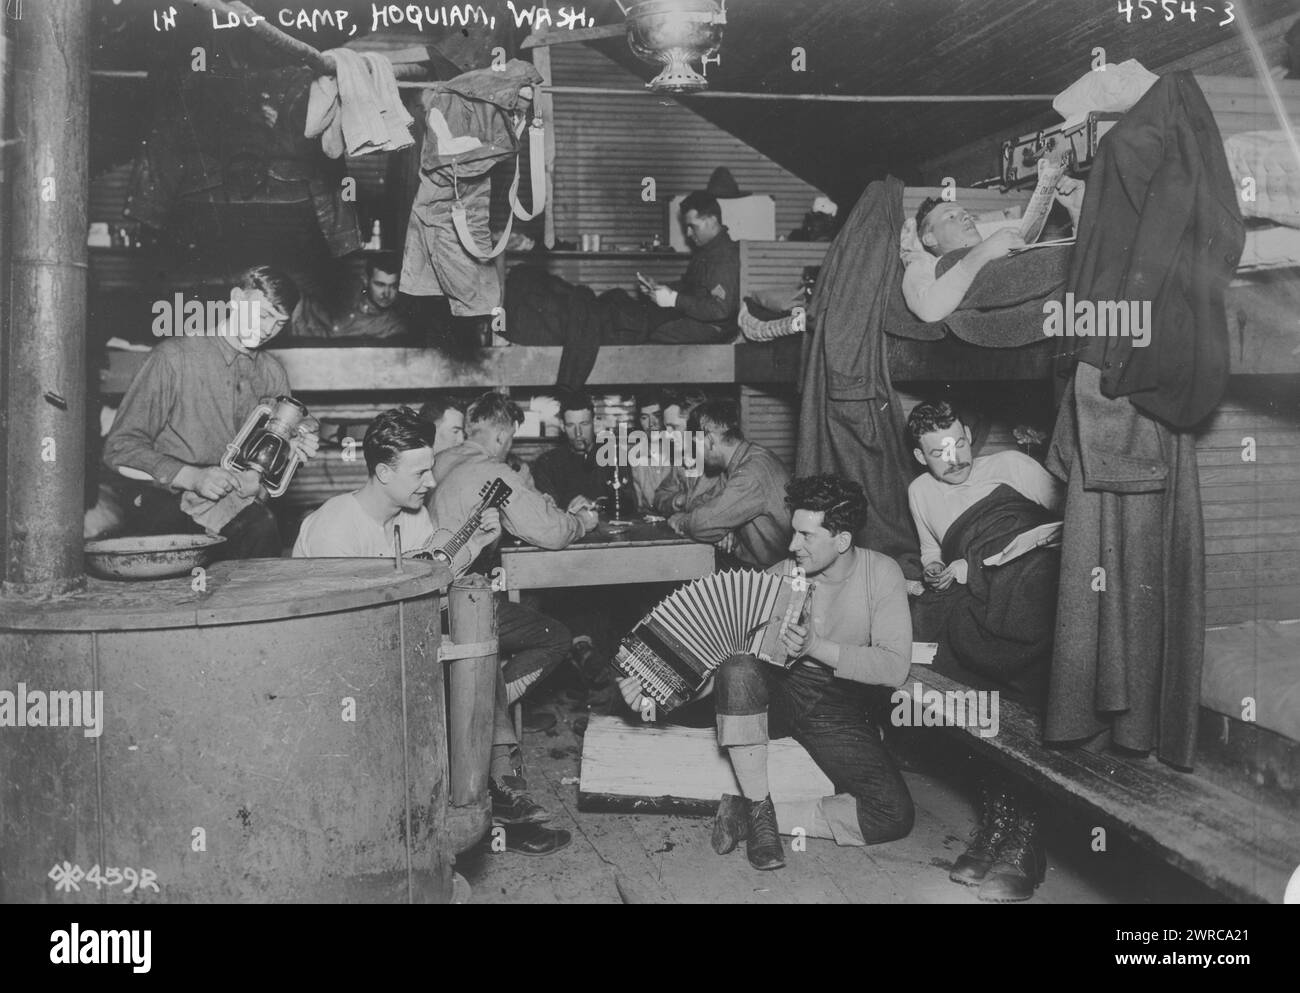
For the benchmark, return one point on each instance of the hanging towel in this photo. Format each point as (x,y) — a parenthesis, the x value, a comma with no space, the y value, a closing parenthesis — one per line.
(344,110)
(396,119)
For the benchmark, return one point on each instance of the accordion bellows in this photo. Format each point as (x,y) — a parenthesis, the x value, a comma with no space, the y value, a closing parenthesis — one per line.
(678,645)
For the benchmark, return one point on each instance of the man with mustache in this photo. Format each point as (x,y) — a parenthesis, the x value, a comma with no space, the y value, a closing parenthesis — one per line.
(956,482)
(994,624)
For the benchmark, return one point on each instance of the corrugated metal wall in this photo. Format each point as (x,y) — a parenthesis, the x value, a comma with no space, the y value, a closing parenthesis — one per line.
(606,144)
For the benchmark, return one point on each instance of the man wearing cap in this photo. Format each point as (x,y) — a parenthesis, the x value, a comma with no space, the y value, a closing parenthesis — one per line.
(701,307)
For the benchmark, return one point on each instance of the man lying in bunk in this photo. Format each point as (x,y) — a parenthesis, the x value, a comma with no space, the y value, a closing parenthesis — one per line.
(398,449)
(937,279)
(988,527)
(745,514)
(370,311)
(187,403)
(699,308)
(857,634)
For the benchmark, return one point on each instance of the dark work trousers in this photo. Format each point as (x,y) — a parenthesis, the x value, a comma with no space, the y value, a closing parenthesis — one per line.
(254,534)
(688,331)
(531,644)
(635,321)
(828,717)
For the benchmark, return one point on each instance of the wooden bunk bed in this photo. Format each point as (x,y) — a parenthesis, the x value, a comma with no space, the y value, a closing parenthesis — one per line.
(1231,823)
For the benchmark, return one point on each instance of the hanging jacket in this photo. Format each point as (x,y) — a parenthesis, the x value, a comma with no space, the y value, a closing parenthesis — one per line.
(471,125)
(850,419)
(1160,223)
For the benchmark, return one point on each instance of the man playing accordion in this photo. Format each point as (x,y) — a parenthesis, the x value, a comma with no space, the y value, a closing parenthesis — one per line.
(857,634)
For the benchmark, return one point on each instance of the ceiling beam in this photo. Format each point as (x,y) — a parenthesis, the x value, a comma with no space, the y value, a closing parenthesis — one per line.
(540,38)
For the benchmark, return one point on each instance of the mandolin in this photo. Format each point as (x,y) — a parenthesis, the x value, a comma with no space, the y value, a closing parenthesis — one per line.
(444,544)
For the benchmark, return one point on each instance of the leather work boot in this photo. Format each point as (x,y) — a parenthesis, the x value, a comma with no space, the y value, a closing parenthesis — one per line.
(731,824)
(997,815)
(1020,865)
(511,805)
(535,840)
(764,843)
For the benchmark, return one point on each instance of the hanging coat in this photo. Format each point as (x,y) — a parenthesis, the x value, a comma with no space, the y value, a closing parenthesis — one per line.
(850,420)
(471,126)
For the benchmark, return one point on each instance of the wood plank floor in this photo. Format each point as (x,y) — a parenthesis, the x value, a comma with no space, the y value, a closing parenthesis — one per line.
(644,858)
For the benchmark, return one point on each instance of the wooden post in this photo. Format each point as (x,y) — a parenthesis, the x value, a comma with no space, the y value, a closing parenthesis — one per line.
(6,121)
(45,462)
(471,705)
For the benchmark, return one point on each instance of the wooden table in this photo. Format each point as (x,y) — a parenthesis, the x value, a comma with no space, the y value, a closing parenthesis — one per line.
(644,553)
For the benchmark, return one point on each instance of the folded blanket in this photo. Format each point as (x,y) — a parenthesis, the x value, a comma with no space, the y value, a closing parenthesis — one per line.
(347,112)
(394,114)
(1002,620)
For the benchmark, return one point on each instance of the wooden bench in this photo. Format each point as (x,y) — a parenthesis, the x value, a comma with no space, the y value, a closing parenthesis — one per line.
(1244,850)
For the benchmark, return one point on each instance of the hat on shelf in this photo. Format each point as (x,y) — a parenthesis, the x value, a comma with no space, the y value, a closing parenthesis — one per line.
(723,186)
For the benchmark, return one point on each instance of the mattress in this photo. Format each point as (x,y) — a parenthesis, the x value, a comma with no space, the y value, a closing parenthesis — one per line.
(1259,660)
(1271,247)
(1266,162)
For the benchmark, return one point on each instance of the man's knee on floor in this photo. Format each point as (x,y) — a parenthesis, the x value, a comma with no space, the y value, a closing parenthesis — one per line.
(557,640)
(889,822)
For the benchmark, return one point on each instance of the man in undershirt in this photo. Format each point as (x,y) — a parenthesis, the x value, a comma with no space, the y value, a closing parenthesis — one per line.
(945,226)
(995,627)
(398,449)
(856,634)
(955,482)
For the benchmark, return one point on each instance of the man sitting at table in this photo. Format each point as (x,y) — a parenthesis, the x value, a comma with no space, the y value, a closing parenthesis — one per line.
(569,473)
(447,416)
(683,485)
(186,404)
(529,514)
(398,449)
(856,633)
(647,477)
(745,515)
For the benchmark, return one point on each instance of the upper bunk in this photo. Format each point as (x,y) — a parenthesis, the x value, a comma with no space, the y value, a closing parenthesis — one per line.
(1263,302)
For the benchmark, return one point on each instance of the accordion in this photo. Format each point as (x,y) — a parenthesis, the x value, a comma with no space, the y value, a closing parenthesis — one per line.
(678,645)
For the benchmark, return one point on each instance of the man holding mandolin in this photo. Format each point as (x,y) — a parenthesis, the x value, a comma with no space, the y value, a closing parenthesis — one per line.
(398,449)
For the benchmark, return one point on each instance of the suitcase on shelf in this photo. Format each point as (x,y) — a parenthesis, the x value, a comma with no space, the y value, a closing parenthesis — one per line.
(1078,143)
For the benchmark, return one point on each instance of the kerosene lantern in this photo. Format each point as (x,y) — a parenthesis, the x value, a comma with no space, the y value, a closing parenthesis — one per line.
(262,444)
(674,33)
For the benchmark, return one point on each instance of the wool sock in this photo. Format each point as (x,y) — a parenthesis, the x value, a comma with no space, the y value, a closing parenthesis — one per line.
(502,763)
(750,763)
